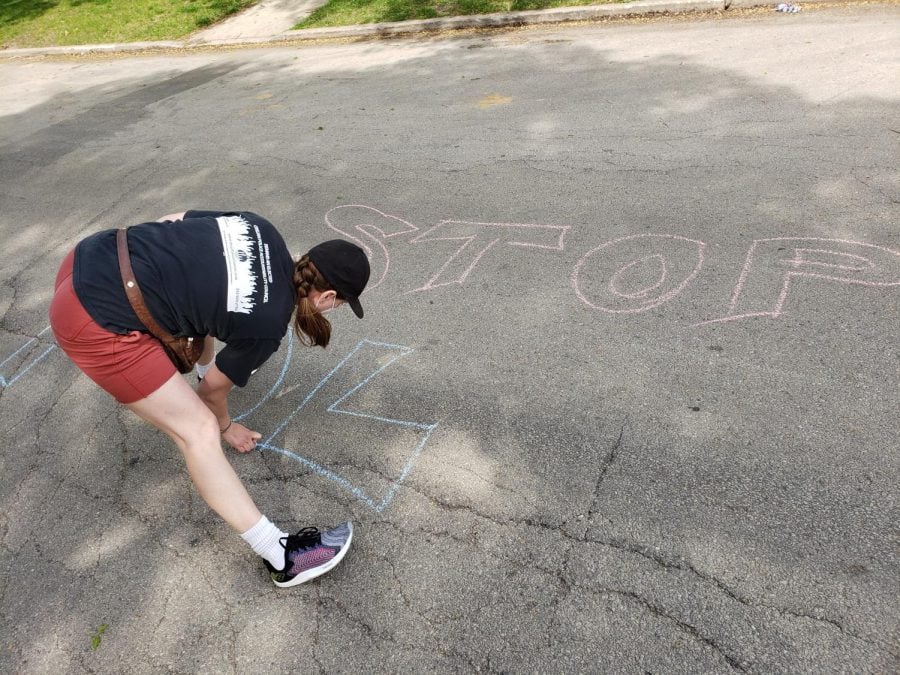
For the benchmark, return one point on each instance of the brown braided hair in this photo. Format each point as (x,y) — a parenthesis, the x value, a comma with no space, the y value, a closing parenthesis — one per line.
(311,328)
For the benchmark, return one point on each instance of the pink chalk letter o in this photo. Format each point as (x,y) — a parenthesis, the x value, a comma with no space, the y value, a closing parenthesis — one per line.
(636,273)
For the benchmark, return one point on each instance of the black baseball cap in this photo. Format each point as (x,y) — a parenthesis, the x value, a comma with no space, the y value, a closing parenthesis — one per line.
(345,267)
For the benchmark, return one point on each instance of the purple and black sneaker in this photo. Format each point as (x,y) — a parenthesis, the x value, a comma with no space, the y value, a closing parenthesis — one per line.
(310,553)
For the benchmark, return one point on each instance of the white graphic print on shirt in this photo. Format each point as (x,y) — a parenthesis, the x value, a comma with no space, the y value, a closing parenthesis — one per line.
(240,259)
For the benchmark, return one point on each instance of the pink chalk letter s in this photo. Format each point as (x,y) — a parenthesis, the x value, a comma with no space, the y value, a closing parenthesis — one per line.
(369,228)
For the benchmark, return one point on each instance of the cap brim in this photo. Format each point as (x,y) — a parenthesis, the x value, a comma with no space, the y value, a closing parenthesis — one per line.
(356,307)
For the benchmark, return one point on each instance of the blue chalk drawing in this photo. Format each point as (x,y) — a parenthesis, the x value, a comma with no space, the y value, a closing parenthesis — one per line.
(336,408)
(4,383)
(271,392)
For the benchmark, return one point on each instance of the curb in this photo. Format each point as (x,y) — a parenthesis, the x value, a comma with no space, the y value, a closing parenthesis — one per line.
(423,26)
(501,19)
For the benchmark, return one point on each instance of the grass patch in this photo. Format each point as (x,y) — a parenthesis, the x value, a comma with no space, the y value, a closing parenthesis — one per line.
(350,12)
(42,23)
(97,637)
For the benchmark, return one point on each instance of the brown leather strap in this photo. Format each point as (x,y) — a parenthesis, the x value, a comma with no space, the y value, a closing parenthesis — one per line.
(133,291)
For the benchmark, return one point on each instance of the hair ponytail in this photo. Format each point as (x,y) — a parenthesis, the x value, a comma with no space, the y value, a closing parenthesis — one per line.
(311,328)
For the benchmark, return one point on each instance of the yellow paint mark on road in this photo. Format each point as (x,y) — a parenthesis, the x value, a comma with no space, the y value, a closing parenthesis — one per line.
(491,100)
(271,106)
(263,96)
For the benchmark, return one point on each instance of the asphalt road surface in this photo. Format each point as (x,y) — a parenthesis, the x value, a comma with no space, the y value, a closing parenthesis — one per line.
(624,400)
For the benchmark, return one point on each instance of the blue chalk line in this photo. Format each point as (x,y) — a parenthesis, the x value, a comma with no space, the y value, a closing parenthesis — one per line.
(4,383)
(281,375)
(341,481)
(324,472)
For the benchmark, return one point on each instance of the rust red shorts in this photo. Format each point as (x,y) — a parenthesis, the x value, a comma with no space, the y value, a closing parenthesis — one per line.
(130,366)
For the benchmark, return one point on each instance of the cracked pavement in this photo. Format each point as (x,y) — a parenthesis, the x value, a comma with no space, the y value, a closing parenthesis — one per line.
(666,444)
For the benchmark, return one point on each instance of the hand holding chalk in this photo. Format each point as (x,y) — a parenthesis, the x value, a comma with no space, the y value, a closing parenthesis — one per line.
(240,437)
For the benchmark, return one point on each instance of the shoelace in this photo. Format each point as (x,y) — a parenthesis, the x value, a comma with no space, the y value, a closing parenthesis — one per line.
(305,538)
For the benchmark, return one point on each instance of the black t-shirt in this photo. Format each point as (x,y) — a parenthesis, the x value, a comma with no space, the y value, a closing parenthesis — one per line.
(224,274)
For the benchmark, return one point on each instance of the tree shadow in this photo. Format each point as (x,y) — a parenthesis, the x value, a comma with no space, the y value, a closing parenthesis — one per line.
(16,11)
(202,13)
(12,13)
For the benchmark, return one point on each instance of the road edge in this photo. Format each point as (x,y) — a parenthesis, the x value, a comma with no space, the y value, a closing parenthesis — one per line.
(417,27)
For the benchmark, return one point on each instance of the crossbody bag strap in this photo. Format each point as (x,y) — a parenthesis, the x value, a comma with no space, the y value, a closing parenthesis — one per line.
(133,291)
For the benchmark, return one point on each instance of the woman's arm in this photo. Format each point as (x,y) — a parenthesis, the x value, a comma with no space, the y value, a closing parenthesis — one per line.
(213,391)
(172,216)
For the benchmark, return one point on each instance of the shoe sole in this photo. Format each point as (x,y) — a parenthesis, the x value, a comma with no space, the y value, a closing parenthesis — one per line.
(311,574)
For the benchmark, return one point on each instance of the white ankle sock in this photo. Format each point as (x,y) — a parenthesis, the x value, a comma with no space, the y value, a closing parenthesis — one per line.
(264,540)
(201,369)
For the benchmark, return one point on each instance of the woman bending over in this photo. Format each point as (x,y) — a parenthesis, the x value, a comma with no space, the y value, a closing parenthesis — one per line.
(205,275)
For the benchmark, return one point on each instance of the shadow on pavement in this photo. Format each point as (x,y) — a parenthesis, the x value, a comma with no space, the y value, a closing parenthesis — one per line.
(572,510)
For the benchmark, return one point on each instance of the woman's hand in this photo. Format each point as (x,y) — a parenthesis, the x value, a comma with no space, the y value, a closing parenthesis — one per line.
(240,437)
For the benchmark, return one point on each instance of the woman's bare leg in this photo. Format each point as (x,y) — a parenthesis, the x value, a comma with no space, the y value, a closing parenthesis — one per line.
(177,410)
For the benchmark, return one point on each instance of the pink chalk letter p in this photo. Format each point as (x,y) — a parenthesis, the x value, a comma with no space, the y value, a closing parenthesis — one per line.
(773,265)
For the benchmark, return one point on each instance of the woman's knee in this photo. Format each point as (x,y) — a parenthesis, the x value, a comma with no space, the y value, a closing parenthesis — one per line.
(203,431)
